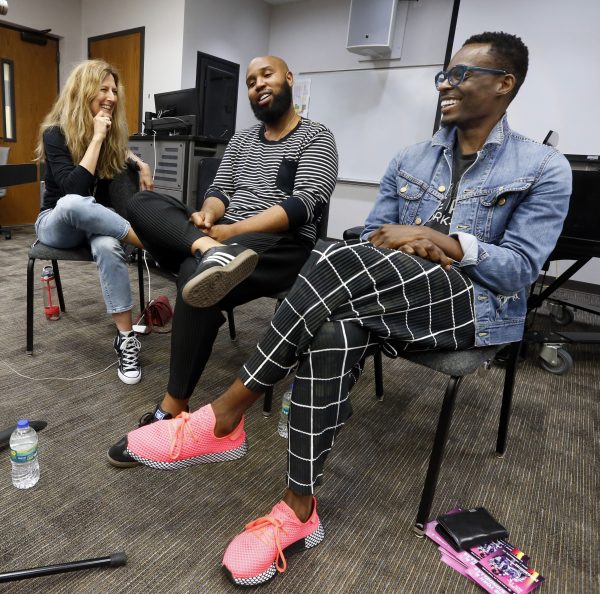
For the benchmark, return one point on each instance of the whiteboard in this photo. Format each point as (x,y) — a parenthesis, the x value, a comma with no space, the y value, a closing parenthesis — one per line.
(373,114)
(562,87)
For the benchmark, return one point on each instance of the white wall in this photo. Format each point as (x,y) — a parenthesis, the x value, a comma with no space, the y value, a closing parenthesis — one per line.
(164,36)
(311,36)
(235,30)
(562,87)
(63,17)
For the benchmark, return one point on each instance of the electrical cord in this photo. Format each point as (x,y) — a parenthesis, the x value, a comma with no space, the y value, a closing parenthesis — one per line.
(155,163)
(66,379)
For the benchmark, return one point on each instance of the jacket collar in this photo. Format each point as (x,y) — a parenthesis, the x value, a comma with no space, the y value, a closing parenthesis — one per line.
(446,137)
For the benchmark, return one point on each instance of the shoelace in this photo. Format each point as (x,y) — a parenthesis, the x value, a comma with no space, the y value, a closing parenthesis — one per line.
(177,428)
(130,349)
(277,525)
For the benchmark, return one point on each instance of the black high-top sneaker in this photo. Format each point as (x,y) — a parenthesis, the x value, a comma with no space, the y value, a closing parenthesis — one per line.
(127,347)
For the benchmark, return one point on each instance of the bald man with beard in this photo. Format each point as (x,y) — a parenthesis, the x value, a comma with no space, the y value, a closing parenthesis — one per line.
(254,231)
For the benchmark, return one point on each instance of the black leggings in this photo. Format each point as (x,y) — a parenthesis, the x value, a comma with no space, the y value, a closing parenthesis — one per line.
(162,224)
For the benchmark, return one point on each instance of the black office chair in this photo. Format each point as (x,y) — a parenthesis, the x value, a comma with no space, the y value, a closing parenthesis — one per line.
(122,188)
(458,364)
(207,169)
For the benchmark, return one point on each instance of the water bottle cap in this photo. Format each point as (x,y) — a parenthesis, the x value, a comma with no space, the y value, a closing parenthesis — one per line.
(47,271)
(22,424)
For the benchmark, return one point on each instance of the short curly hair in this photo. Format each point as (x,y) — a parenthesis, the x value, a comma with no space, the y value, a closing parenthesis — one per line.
(509,51)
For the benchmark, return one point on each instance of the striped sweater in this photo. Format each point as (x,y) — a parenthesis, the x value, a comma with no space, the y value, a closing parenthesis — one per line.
(298,173)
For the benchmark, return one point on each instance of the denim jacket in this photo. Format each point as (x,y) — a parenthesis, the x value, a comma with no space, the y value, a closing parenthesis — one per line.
(510,207)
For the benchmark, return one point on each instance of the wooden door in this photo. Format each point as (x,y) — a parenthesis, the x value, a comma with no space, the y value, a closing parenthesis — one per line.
(35,76)
(125,51)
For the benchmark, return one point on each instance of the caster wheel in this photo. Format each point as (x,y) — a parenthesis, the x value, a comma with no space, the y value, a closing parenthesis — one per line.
(563,364)
(562,315)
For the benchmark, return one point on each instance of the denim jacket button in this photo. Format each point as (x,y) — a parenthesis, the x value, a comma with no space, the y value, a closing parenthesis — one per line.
(418,221)
(404,189)
(442,189)
(501,201)
(483,334)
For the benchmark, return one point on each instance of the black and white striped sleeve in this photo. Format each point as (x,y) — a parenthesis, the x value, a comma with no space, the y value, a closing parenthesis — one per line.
(315,180)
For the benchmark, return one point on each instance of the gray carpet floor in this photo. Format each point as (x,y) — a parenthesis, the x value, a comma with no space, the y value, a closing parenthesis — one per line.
(174,526)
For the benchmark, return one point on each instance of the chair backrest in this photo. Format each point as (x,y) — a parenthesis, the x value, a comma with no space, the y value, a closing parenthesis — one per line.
(4,150)
(207,169)
(551,139)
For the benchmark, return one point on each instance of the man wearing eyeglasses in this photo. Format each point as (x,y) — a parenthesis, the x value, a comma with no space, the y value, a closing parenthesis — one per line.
(461,227)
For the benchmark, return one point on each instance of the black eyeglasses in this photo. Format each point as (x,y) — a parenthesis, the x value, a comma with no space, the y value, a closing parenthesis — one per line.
(456,75)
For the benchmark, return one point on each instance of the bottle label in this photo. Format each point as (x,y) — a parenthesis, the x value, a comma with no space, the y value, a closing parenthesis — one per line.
(23,455)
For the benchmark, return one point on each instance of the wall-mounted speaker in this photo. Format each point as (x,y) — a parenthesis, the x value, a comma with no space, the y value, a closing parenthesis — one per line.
(371,27)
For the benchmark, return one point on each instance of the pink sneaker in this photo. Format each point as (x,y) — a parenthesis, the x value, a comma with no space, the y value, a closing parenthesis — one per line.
(186,440)
(256,555)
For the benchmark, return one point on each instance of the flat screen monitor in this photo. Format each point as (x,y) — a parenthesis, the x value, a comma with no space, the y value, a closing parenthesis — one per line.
(583,219)
(219,103)
(217,82)
(176,103)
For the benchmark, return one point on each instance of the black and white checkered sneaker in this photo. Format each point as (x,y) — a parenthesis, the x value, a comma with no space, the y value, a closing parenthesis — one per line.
(220,270)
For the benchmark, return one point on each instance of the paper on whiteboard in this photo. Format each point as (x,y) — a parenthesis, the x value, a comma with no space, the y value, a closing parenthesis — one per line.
(301,96)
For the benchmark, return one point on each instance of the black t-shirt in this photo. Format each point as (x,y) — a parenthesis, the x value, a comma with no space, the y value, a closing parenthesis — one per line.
(440,219)
(64,177)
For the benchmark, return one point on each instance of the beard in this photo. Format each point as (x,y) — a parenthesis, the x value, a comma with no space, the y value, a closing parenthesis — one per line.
(280,103)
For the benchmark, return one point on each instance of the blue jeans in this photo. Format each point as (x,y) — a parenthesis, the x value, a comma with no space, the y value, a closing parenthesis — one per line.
(80,219)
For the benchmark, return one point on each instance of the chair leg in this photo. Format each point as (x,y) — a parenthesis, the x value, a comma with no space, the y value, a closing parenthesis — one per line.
(29,332)
(268,402)
(509,383)
(378,367)
(140,267)
(231,322)
(58,282)
(437,455)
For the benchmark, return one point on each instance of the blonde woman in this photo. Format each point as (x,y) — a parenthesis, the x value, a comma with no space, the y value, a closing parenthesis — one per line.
(83,141)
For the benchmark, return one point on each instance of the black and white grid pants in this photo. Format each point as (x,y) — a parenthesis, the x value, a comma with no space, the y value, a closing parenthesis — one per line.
(349,298)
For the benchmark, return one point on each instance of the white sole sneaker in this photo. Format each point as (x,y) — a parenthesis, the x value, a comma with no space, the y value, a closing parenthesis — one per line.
(128,379)
(210,286)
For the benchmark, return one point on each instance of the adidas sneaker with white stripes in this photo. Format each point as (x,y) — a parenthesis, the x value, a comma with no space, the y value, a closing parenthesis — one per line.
(220,270)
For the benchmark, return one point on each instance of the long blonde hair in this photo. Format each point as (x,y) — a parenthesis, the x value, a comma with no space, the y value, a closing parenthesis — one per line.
(72,113)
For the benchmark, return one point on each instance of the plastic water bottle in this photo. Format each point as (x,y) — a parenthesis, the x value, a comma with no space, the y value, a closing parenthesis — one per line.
(24,455)
(51,307)
(282,427)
